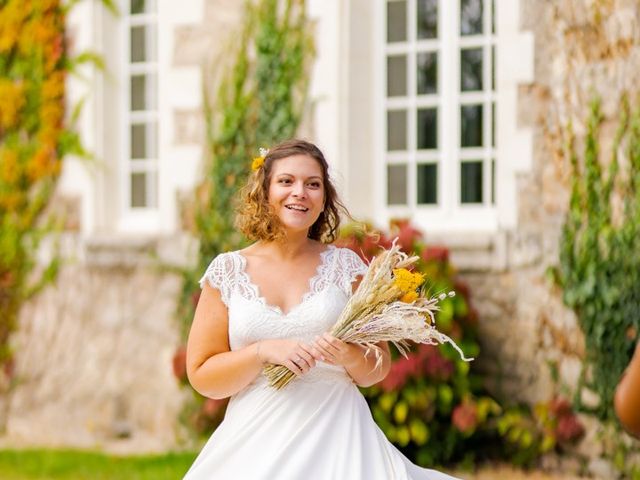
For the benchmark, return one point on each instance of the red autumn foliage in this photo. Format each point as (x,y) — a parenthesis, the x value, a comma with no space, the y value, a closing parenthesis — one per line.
(399,373)
(465,416)
(559,406)
(9,367)
(407,235)
(569,428)
(434,364)
(212,406)
(435,253)
(425,361)
(180,363)
(195,298)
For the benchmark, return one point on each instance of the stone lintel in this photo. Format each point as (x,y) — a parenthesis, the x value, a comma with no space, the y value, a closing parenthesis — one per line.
(128,251)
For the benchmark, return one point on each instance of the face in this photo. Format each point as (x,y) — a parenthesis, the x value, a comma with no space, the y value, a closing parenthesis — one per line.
(296,191)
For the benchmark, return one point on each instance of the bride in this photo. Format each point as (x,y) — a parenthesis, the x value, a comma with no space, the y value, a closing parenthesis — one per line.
(273,302)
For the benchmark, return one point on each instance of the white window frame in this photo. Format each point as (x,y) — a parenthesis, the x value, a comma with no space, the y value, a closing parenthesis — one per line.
(147,218)
(449,214)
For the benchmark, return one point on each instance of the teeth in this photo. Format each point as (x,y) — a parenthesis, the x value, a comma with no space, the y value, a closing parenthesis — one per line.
(297,207)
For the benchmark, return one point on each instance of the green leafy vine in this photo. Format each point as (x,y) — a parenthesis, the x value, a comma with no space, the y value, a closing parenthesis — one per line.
(599,267)
(259,101)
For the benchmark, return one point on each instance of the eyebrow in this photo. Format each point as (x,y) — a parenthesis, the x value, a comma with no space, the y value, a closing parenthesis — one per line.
(316,177)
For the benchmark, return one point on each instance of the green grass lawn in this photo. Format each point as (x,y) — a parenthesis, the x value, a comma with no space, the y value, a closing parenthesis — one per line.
(81,465)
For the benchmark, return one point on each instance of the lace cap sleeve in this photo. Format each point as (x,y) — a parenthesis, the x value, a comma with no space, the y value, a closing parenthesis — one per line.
(350,266)
(220,274)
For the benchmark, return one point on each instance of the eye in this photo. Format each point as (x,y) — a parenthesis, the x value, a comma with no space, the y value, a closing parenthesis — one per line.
(315,184)
(284,180)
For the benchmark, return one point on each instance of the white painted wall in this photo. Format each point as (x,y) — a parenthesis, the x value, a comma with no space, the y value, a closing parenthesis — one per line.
(347,118)
(514,143)
(96,182)
(77,178)
(327,86)
(180,88)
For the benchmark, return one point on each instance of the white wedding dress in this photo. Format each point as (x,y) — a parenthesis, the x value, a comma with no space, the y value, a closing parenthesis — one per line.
(318,427)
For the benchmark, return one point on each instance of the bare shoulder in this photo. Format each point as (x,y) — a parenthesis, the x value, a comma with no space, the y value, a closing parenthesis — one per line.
(253,250)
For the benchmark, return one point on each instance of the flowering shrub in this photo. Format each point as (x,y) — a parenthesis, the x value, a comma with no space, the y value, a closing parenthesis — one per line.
(526,435)
(432,404)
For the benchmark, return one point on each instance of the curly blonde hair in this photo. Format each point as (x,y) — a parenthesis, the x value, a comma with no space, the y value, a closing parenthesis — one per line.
(256,218)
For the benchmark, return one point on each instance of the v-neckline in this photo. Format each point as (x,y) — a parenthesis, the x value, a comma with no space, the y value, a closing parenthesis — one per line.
(308,294)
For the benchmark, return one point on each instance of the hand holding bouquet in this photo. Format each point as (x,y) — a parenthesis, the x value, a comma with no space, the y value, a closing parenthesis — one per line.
(388,306)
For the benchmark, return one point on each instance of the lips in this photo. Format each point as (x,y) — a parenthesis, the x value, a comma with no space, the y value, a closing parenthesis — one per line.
(297,208)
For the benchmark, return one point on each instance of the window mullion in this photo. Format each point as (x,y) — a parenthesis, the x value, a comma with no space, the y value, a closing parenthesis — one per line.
(486,120)
(140,107)
(450,105)
(412,110)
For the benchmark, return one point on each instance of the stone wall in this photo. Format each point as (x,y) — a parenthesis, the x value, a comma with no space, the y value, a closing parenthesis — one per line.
(582,47)
(94,356)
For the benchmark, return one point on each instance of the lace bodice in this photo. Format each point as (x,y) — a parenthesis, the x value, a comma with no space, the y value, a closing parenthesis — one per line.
(251,318)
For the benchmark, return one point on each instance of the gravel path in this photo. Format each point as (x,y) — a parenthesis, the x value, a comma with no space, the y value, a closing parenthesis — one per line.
(510,473)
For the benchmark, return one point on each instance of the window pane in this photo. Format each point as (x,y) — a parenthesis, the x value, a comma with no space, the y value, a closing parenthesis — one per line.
(427,128)
(138,44)
(471,126)
(143,141)
(471,69)
(493,181)
(138,6)
(428,184)
(470,17)
(396,184)
(493,124)
(138,190)
(427,19)
(396,21)
(471,182)
(493,68)
(139,93)
(396,75)
(427,73)
(142,92)
(493,16)
(396,130)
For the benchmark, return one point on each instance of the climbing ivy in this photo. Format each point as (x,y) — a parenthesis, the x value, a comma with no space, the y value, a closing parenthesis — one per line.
(258,102)
(599,267)
(35,134)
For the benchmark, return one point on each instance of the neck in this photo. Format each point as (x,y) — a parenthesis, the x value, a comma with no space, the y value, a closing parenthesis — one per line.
(292,245)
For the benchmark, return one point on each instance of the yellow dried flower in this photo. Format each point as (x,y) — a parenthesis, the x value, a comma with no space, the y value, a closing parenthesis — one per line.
(407,281)
(257,163)
(409,297)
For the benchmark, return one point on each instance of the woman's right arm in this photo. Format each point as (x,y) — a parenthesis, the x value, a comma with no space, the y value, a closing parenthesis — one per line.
(217,372)
(213,370)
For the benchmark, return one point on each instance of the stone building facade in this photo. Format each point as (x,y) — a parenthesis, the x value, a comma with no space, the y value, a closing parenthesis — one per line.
(98,345)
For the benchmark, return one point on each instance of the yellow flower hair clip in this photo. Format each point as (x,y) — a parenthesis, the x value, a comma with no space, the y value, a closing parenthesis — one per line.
(259,161)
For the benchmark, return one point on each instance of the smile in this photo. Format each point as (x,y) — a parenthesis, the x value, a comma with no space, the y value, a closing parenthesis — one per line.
(298,208)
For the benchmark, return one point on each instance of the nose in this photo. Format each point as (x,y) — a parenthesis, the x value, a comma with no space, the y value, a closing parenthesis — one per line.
(298,190)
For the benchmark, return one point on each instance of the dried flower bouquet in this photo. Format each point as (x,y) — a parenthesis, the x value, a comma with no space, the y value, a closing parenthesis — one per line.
(389,305)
